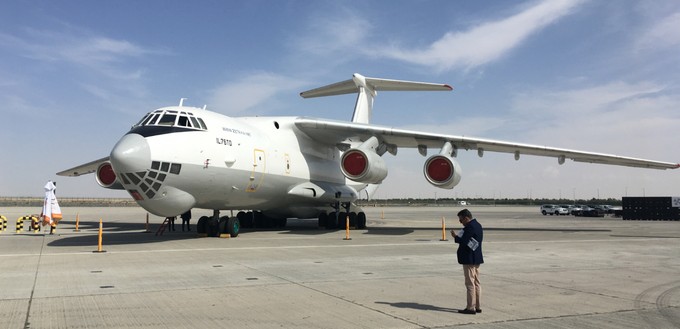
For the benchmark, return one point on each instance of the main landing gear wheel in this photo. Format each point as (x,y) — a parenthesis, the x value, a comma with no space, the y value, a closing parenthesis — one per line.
(231,226)
(361,220)
(323,219)
(202,225)
(331,221)
(213,227)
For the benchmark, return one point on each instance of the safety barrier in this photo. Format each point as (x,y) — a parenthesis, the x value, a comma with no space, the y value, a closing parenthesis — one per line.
(35,224)
(33,219)
(3,224)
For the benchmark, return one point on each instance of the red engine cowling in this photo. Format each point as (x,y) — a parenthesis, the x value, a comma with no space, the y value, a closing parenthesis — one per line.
(106,177)
(442,171)
(363,166)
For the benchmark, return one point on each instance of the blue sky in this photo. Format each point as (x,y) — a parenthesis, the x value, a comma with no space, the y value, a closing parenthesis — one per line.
(598,76)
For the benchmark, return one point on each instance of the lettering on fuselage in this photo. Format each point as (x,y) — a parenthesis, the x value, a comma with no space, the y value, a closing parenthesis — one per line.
(223,141)
(236,131)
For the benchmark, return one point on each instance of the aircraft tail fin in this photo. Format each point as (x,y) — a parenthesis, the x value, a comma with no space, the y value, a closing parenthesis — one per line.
(367,89)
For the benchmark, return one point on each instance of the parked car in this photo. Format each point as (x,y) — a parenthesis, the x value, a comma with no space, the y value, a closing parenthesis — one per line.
(552,209)
(592,211)
(610,209)
(576,209)
(568,207)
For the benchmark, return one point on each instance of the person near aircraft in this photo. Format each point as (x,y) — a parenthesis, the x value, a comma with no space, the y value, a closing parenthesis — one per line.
(469,253)
(186,217)
(171,223)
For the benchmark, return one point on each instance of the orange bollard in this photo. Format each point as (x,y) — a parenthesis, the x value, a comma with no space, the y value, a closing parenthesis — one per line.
(101,231)
(77,222)
(347,229)
(443,230)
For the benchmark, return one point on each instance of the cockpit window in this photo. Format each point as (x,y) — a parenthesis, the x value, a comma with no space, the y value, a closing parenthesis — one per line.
(194,122)
(203,126)
(167,120)
(183,121)
(170,118)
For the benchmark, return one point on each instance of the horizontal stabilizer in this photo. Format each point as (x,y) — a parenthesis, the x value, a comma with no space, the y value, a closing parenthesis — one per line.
(366,90)
(375,84)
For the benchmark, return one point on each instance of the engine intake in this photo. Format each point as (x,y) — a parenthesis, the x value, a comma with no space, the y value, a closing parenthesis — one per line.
(442,171)
(363,164)
(106,177)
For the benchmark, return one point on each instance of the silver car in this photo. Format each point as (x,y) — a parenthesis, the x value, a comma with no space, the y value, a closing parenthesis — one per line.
(553,209)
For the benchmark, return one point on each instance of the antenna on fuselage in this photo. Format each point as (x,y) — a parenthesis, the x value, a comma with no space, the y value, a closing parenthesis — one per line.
(181,101)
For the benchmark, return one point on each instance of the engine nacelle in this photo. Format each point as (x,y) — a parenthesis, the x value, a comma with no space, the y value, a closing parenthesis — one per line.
(106,177)
(442,171)
(363,166)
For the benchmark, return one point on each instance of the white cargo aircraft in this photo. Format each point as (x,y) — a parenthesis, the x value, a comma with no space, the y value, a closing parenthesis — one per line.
(178,158)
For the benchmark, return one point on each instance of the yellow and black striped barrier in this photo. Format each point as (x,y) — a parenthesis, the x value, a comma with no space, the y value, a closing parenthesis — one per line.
(35,224)
(3,224)
(20,223)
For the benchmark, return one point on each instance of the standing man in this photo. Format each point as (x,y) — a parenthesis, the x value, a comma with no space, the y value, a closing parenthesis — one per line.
(171,223)
(186,217)
(469,253)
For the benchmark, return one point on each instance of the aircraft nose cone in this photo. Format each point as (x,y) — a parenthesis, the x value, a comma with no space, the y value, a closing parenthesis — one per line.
(131,154)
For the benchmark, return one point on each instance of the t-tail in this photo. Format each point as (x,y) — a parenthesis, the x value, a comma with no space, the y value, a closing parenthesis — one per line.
(367,89)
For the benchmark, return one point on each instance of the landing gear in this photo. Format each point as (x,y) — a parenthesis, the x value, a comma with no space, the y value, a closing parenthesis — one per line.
(215,225)
(337,219)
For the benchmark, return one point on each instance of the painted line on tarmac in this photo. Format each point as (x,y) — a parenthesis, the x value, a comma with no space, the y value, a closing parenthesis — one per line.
(378,245)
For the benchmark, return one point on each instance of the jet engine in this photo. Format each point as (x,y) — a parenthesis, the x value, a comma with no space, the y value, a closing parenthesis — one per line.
(442,170)
(363,164)
(106,177)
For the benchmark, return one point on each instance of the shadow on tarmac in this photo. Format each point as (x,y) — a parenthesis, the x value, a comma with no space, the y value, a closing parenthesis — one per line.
(418,306)
(134,233)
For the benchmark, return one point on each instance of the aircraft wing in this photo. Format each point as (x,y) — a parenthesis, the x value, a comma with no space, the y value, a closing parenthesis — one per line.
(340,133)
(84,169)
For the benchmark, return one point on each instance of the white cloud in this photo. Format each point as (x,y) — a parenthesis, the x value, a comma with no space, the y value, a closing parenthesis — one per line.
(250,92)
(486,42)
(663,34)
(342,33)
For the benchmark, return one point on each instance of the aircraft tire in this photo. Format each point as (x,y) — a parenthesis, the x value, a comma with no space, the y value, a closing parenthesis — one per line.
(201,225)
(352,219)
(233,226)
(361,220)
(332,221)
(342,218)
(258,219)
(281,222)
(323,219)
(213,227)
(246,219)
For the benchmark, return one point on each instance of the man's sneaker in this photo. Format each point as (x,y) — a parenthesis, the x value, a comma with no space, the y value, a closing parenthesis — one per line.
(466,311)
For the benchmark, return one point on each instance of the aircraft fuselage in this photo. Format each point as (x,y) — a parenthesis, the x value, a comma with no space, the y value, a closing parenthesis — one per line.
(228,163)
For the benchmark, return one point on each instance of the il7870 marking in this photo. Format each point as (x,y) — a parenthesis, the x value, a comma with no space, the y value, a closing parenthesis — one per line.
(223,141)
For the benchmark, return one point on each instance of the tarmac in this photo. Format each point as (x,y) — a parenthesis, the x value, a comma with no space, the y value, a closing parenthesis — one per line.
(540,272)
